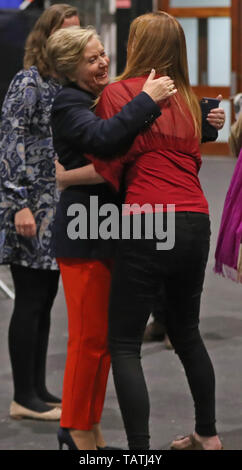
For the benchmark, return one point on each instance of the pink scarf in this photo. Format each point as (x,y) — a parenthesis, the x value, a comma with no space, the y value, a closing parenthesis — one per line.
(230,233)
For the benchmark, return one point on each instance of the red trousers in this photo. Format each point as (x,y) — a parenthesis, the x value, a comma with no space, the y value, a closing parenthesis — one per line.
(86,285)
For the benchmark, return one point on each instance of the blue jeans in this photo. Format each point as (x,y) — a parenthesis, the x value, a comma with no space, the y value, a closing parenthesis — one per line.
(139,272)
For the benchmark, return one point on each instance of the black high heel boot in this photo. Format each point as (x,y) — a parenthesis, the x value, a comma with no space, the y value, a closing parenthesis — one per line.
(109,448)
(64,437)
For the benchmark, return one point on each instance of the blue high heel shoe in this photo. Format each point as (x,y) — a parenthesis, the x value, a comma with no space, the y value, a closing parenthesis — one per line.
(64,437)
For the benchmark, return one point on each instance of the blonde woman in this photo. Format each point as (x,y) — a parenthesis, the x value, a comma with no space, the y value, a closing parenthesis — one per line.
(27,206)
(235,138)
(79,60)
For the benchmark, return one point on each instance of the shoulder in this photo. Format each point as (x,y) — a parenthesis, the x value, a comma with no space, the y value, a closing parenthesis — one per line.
(123,90)
(73,93)
(31,81)
(116,95)
(23,88)
(26,77)
(70,96)
(113,88)
(134,84)
(22,81)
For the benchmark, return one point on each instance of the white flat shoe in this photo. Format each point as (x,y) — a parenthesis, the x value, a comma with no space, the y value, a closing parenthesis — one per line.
(20,412)
(55,405)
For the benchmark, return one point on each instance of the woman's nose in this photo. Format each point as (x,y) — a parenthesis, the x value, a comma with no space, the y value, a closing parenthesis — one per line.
(103,62)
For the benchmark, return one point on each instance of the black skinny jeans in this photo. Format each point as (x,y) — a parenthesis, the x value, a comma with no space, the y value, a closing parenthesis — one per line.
(139,272)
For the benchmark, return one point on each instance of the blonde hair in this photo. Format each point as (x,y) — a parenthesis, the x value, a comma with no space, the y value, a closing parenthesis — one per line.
(65,49)
(157,40)
(50,20)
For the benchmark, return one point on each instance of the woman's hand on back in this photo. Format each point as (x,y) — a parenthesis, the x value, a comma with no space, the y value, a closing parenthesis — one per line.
(159,88)
(59,174)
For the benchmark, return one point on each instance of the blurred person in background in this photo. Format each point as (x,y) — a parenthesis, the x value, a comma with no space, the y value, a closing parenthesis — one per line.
(228,254)
(235,139)
(28,200)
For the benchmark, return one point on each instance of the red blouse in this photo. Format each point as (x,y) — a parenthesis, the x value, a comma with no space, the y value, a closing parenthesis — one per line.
(161,166)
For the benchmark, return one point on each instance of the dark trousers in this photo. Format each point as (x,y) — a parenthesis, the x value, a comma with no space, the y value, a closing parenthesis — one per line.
(159,308)
(35,291)
(139,272)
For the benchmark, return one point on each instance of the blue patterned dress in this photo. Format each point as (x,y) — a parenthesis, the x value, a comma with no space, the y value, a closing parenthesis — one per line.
(27,170)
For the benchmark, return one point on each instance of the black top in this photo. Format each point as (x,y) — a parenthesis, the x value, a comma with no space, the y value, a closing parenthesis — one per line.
(76,130)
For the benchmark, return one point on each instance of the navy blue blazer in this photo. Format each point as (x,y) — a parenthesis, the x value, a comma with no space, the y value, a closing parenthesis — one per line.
(76,130)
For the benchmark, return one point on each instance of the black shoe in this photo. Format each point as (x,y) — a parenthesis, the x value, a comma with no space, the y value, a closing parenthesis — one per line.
(108,448)
(154,331)
(64,437)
